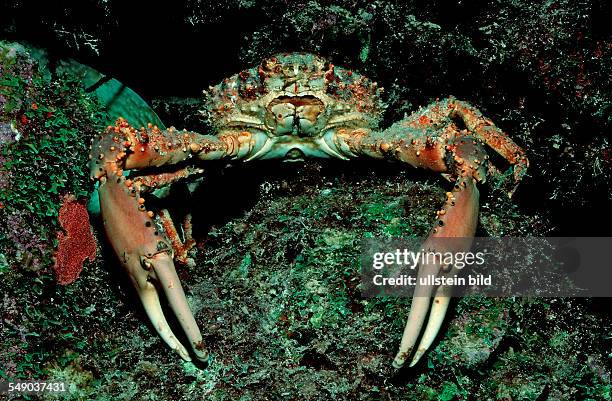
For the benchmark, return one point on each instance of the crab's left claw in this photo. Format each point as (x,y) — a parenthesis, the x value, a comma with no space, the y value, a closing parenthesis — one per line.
(152,306)
(454,232)
(146,241)
(436,317)
(447,137)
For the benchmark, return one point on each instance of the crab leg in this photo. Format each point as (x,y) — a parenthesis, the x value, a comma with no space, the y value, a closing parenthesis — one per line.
(146,254)
(459,221)
(181,248)
(478,126)
(137,235)
(431,139)
(466,206)
(138,242)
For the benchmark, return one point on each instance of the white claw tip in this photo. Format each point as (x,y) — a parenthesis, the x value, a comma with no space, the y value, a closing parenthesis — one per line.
(202,356)
(416,358)
(184,355)
(200,352)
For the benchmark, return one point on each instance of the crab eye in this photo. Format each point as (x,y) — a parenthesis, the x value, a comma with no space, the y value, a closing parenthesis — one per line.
(316,83)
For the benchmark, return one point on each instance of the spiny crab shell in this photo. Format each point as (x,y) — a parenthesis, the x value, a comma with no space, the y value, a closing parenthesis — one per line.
(297,97)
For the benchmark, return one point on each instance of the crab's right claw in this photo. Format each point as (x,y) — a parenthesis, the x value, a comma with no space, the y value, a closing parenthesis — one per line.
(147,256)
(163,273)
(150,301)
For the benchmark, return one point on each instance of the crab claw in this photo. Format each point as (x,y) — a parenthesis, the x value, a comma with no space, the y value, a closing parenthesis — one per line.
(150,300)
(164,274)
(436,317)
(454,232)
(147,256)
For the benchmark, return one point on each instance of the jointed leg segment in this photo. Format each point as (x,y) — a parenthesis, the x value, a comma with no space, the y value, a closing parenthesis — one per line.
(457,219)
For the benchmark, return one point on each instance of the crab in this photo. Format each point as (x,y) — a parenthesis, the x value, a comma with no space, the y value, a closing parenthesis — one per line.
(291,107)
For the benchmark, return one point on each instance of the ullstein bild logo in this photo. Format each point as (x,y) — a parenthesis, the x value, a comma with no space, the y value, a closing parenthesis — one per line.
(527,267)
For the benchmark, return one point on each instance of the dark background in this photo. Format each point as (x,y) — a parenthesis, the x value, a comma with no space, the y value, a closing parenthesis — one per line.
(540,71)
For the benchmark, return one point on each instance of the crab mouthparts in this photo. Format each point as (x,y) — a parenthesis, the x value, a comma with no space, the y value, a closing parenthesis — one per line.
(295,115)
(294,155)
